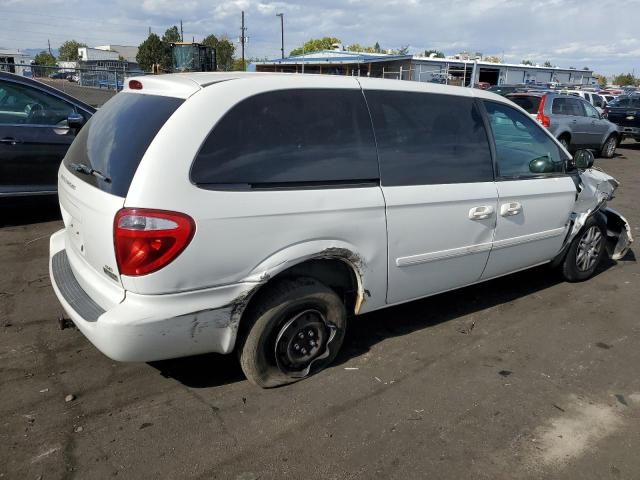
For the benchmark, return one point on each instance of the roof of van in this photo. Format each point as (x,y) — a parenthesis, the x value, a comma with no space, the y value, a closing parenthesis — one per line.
(183,85)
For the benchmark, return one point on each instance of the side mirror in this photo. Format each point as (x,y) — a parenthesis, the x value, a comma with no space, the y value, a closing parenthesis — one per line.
(541,165)
(75,121)
(583,159)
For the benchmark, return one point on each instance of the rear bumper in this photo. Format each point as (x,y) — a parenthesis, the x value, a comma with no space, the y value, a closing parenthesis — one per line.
(145,328)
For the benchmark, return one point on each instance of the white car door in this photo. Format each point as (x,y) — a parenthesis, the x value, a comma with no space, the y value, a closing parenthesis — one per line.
(535,196)
(437,179)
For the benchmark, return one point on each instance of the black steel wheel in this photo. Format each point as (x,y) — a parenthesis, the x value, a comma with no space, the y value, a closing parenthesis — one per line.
(294,329)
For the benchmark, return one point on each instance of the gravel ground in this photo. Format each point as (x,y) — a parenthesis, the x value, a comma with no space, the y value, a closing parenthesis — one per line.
(522,377)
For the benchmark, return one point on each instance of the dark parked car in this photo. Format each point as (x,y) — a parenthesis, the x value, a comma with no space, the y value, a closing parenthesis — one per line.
(624,111)
(572,120)
(37,125)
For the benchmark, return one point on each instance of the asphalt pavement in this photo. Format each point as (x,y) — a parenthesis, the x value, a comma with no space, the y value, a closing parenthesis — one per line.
(522,377)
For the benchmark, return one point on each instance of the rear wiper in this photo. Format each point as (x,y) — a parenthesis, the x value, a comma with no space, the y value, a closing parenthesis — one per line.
(82,168)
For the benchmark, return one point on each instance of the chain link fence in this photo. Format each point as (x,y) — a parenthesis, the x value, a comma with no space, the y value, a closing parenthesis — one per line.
(93,85)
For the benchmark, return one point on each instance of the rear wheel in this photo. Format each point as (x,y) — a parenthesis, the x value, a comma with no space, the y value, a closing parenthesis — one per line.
(585,252)
(609,147)
(294,330)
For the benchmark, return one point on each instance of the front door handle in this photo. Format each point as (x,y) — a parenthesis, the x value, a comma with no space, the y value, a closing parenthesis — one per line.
(481,213)
(10,140)
(510,209)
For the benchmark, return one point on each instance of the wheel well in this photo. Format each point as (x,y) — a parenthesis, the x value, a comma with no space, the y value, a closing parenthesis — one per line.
(566,135)
(336,273)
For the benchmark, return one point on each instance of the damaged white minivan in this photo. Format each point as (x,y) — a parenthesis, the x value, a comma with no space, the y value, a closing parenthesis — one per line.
(213,212)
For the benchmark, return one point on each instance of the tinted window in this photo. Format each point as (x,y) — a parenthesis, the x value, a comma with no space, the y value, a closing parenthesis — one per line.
(23,105)
(530,104)
(626,102)
(114,141)
(429,139)
(567,106)
(290,137)
(597,100)
(519,142)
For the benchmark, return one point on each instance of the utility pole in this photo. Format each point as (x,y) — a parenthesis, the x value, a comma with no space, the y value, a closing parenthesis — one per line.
(281,15)
(181,32)
(149,30)
(49,43)
(242,39)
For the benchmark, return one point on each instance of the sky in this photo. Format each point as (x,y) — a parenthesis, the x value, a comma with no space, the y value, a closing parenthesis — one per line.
(601,34)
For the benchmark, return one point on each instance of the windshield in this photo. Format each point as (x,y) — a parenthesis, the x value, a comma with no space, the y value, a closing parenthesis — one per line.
(114,141)
(528,103)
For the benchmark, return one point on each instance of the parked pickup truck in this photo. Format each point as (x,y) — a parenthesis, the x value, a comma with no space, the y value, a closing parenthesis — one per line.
(624,111)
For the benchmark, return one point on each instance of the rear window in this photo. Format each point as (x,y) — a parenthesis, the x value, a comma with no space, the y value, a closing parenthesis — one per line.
(290,138)
(530,104)
(632,102)
(115,139)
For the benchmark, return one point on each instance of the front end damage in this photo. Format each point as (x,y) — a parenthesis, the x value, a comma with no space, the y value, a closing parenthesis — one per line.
(594,189)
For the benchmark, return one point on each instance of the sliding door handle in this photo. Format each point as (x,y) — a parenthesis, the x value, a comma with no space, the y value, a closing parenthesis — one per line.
(481,213)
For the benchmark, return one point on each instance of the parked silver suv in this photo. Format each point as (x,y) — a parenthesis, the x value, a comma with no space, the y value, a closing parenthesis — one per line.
(573,121)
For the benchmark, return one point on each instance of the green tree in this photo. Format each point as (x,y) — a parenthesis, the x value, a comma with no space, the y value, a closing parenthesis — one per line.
(526,62)
(44,58)
(171,35)
(356,47)
(376,48)
(315,44)
(68,51)
(150,52)
(437,53)
(548,64)
(625,79)
(492,59)
(601,79)
(402,50)
(586,68)
(224,52)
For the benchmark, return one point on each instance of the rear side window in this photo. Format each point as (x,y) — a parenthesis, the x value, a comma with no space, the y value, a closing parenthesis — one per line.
(290,138)
(530,104)
(115,139)
(428,138)
(567,106)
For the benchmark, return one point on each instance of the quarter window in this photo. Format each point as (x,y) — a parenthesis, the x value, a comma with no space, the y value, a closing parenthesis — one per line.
(22,105)
(426,138)
(290,138)
(521,145)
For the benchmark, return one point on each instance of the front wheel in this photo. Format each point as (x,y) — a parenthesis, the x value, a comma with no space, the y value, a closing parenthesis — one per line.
(294,330)
(609,147)
(585,253)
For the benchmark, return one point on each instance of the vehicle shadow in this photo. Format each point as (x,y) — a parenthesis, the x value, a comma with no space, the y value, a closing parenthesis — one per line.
(365,331)
(26,210)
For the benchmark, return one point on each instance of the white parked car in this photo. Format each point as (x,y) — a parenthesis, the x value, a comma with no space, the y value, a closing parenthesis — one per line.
(210,212)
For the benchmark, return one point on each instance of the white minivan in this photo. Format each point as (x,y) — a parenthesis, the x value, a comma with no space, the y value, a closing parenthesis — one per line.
(210,212)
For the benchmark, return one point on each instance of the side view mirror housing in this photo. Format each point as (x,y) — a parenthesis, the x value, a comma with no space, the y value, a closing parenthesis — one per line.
(541,165)
(75,121)
(583,159)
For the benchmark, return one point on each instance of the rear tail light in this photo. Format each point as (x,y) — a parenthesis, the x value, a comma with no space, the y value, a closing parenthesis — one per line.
(541,117)
(148,240)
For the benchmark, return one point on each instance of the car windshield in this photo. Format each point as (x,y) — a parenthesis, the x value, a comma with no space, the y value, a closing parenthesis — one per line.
(528,103)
